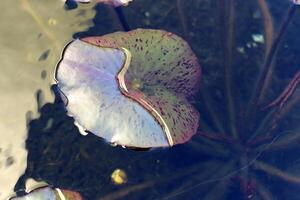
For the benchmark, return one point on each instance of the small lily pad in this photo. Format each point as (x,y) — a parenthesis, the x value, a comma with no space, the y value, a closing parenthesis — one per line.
(49,193)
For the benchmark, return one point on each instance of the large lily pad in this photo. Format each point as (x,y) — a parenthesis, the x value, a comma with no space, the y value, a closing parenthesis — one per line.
(147,107)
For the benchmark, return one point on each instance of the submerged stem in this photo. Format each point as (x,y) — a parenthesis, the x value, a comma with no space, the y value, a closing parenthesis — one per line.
(288,140)
(217,176)
(182,18)
(289,105)
(263,129)
(263,192)
(214,117)
(281,106)
(217,137)
(267,69)
(269,35)
(122,18)
(276,172)
(287,93)
(283,110)
(210,170)
(121,194)
(218,190)
(227,11)
(268,24)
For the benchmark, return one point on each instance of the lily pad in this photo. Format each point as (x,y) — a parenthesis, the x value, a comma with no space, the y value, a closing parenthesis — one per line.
(115,3)
(50,194)
(131,88)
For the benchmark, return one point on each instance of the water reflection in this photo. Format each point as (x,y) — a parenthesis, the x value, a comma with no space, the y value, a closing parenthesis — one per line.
(30,44)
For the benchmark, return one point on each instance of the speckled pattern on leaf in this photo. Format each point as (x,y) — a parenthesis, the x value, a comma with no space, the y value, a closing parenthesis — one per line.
(180,116)
(163,72)
(159,58)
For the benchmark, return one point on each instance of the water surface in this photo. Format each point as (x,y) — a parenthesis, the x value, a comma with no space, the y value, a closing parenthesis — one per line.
(241,150)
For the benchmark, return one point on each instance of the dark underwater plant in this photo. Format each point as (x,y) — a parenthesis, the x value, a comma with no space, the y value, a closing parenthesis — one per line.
(255,131)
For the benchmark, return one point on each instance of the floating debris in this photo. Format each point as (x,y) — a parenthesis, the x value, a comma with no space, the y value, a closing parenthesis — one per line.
(258,38)
(147,106)
(241,50)
(119,177)
(52,22)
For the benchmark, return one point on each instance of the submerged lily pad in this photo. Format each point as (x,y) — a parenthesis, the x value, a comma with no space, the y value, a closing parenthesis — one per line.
(147,105)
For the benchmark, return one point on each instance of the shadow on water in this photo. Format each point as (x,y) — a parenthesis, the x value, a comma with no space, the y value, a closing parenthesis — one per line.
(116,22)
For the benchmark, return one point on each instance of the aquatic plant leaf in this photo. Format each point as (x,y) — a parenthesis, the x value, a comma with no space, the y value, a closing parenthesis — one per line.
(50,194)
(179,117)
(162,73)
(70,195)
(38,194)
(86,76)
(159,58)
(147,105)
(114,3)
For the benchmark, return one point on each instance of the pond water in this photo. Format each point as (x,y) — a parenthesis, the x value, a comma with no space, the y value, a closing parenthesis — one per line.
(249,56)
